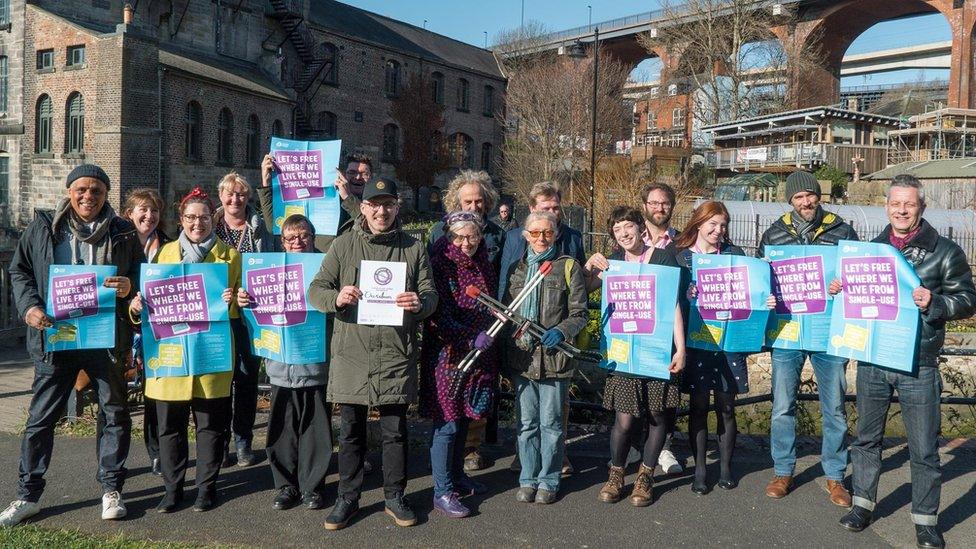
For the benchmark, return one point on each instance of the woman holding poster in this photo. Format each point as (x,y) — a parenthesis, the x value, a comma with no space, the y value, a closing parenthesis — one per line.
(207,396)
(711,372)
(458,260)
(637,399)
(241,227)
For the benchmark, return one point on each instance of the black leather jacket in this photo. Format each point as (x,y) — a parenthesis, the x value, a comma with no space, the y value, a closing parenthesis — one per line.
(942,266)
(831,230)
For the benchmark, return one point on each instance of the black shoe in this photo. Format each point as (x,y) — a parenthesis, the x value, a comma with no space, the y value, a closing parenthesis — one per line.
(170,501)
(341,514)
(398,508)
(286,499)
(699,488)
(206,499)
(857,519)
(313,500)
(726,484)
(928,537)
(156,468)
(228,461)
(245,457)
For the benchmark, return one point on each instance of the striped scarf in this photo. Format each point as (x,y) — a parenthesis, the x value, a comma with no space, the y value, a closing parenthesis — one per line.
(530,307)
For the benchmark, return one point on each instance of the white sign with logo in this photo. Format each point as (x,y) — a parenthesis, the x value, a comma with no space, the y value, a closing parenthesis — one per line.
(381,282)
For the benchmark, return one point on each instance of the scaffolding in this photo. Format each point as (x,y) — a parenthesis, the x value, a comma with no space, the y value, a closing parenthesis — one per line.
(937,135)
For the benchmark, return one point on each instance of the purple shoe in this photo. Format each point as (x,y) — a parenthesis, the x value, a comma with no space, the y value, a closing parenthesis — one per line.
(467,486)
(450,506)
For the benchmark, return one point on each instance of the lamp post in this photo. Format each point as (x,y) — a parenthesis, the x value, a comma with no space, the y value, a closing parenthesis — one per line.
(577,51)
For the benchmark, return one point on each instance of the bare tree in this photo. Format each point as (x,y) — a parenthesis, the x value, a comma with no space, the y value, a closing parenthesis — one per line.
(729,53)
(421,121)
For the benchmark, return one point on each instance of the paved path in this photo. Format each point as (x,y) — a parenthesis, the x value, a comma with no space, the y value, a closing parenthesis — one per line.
(16,376)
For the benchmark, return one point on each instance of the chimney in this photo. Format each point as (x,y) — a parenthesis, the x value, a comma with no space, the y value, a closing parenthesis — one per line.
(127,12)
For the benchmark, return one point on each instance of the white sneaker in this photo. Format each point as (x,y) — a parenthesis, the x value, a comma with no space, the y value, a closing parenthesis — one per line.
(113,508)
(18,511)
(668,463)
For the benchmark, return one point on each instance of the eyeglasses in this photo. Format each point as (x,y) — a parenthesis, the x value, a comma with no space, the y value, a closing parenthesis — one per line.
(536,234)
(203,219)
(472,238)
(388,206)
(656,204)
(304,237)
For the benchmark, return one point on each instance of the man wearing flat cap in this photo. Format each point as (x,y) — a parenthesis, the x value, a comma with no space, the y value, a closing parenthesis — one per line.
(807,224)
(373,366)
(82,230)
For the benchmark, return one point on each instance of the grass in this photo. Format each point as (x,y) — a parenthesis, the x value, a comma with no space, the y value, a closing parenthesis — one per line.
(33,536)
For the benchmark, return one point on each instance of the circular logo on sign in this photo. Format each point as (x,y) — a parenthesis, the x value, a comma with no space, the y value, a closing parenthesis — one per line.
(383,276)
(380,185)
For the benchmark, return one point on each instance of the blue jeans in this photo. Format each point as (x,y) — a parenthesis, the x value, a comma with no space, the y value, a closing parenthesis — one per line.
(919,400)
(447,454)
(541,435)
(828,370)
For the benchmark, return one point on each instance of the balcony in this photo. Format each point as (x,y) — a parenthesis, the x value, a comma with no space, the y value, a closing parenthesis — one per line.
(784,157)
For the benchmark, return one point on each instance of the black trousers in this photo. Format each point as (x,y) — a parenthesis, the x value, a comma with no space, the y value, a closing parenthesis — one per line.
(245,388)
(211,417)
(352,449)
(150,427)
(52,387)
(299,444)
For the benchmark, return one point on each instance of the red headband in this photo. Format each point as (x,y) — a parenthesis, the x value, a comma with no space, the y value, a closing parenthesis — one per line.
(198,194)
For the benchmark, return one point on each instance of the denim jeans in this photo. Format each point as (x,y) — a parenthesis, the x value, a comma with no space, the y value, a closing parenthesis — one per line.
(828,370)
(919,400)
(541,435)
(52,387)
(447,454)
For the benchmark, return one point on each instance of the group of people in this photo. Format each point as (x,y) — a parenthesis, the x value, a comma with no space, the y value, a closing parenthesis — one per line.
(388,368)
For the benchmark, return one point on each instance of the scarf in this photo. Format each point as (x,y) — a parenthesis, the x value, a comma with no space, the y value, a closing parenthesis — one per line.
(530,307)
(802,226)
(899,241)
(95,234)
(193,252)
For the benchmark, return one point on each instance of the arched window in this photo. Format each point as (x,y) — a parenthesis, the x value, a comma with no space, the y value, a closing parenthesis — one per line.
(328,56)
(391,143)
(460,149)
(462,95)
(3,83)
(436,145)
(277,128)
(486,157)
(489,103)
(225,136)
(437,87)
(392,78)
(191,141)
(74,138)
(254,140)
(43,124)
(327,125)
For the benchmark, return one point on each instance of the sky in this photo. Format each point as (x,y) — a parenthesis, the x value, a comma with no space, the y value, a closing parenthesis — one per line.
(469,20)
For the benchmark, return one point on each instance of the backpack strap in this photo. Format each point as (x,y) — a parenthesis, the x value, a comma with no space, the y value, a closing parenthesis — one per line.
(568,271)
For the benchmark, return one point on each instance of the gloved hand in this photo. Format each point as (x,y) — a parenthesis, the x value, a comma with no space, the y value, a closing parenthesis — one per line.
(552,337)
(482,341)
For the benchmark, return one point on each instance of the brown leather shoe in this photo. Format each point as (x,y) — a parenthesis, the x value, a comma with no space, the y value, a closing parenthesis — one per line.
(779,487)
(839,495)
(642,494)
(612,491)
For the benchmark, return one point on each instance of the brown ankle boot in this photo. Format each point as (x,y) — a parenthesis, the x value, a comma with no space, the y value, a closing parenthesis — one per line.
(643,487)
(612,491)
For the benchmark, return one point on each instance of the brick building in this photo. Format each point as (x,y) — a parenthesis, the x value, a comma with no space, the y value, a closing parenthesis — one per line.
(183,91)
(663,127)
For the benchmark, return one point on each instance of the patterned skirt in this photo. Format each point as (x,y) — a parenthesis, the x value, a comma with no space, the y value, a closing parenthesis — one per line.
(715,371)
(639,396)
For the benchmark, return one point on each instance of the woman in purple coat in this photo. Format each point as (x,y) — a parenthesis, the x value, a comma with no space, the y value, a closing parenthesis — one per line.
(458,260)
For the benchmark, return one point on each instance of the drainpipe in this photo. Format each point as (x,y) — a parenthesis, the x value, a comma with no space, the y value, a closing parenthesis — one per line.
(160,71)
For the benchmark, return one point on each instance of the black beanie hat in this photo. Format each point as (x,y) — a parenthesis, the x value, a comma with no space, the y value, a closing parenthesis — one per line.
(87,170)
(801,181)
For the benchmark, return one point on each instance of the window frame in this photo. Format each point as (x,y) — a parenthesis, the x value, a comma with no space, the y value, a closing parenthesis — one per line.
(70,53)
(488,101)
(253,141)
(44,125)
(192,131)
(391,143)
(225,137)
(74,126)
(463,95)
(437,87)
(391,84)
(45,59)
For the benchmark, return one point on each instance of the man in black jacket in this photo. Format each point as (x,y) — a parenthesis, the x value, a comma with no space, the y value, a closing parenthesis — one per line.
(83,230)
(807,223)
(946,293)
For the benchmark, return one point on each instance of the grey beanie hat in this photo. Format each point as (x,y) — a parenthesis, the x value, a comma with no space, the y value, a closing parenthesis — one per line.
(798,182)
(87,170)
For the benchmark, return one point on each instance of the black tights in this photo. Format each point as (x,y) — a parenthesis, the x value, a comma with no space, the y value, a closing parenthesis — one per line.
(698,432)
(627,428)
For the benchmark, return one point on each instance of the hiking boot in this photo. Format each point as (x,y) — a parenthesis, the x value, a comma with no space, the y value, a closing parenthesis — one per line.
(643,492)
(612,491)
(779,487)
(474,461)
(839,495)
(113,508)
(18,511)
(398,508)
(341,514)
(286,499)
(857,519)
(450,506)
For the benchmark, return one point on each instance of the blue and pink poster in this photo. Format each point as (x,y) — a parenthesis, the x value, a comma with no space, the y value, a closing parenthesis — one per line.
(303,183)
(874,318)
(82,308)
(729,312)
(637,320)
(283,326)
(800,277)
(185,323)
